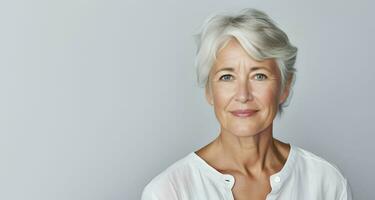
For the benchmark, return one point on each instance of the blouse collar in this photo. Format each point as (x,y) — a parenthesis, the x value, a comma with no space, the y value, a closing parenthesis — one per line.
(228,180)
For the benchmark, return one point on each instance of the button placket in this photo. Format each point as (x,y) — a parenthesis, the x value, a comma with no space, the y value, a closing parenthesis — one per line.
(229,180)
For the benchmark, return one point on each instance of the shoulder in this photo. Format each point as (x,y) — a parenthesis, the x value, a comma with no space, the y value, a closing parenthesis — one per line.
(311,161)
(166,184)
(321,173)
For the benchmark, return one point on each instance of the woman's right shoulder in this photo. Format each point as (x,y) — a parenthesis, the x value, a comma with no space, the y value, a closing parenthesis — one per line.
(166,184)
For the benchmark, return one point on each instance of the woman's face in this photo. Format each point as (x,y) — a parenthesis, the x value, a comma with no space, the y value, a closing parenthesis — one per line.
(245,93)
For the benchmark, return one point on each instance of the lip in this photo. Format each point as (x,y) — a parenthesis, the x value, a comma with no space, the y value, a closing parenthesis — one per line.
(243,113)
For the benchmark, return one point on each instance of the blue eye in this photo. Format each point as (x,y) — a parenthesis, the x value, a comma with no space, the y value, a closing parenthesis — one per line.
(226,77)
(260,77)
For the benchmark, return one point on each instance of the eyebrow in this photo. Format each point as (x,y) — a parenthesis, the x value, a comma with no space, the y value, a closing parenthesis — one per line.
(232,69)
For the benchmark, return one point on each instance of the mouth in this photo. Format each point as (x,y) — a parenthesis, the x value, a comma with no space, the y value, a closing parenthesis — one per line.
(244,113)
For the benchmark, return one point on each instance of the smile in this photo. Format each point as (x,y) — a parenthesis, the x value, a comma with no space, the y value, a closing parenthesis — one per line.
(243,113)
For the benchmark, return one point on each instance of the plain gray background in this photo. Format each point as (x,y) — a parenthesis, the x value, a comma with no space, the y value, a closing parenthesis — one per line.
(98,97)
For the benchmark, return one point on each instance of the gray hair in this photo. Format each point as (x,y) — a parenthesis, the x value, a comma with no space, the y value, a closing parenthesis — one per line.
(256,32)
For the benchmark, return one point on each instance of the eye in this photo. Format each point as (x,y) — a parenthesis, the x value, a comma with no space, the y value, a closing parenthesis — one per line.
(226,77)
(260,77)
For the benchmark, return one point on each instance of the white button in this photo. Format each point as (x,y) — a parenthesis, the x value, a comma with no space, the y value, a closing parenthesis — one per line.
(277,179)
(228,178)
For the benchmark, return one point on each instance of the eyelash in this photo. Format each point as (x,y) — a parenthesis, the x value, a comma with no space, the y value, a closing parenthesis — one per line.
(264,76)
(221,78)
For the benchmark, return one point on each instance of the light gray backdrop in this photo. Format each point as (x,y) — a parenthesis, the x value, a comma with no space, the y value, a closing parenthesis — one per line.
(98,97)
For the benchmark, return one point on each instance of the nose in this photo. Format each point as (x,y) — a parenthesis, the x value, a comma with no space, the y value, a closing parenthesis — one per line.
(243,92)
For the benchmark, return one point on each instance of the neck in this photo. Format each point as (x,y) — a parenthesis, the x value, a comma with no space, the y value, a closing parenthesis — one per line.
(252,155)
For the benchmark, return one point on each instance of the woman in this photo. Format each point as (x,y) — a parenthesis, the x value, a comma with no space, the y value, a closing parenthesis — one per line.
(246,64)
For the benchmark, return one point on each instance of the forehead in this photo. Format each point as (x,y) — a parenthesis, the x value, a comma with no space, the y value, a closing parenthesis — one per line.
(234,55)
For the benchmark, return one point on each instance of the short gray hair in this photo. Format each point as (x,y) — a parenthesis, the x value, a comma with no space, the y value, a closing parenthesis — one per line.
(257,33)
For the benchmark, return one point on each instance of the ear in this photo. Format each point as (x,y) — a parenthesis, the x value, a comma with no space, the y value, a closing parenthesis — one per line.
(208,94)
(286,91)
(284,95)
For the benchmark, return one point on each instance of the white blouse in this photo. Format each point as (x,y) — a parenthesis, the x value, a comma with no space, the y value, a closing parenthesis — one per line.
(303,176)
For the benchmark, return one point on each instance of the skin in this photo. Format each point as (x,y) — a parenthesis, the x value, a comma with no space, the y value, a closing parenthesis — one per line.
(245,147)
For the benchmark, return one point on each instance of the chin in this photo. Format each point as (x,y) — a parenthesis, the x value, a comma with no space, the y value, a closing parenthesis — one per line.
(244,132)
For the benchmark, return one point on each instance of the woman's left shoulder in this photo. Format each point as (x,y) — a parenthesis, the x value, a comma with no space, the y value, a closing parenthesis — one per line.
(321,173)
(318,167)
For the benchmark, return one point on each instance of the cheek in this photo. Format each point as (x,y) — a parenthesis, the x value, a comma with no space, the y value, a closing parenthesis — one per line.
(267,95)
(222,95)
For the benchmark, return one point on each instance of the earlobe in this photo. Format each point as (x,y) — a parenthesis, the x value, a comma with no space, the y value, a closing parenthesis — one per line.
(208,95)
(284,96)
(209,99)
(285,93)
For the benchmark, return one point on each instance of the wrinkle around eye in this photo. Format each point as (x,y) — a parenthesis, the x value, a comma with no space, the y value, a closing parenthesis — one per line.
(263,75)
(226,75)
